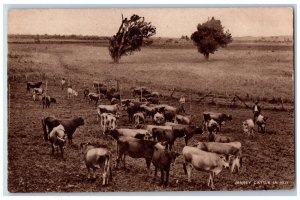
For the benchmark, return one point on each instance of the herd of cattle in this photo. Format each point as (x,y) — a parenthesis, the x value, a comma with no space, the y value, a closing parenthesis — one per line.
(153,142)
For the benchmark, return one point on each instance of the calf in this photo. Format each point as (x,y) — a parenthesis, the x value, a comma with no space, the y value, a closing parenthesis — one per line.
(49,123)
(162,160)
(46,100)
(108,121)
(131,109)
(248,127)
(71,93)
(139,118)
(213,126)
(158,119)
(261,123)
(37,92)
(63,83)
(180,119)
(213,137)
(57,138)
(31,85)
(220,118)
(94,97)
(228,149)
(150,111)
(94,157)
(195,158)
(107,109)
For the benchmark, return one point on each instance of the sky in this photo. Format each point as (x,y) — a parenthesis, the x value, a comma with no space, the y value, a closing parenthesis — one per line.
(169,22)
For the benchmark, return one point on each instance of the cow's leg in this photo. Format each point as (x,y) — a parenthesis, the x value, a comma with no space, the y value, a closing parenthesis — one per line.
(94,172)
(162,177)
(189,171)
(155,174)
(212,180)
(167,177)
(148,163)
(89,172)
(124,161)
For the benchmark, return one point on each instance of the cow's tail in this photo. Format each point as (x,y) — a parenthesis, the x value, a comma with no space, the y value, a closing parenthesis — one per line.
(44,129)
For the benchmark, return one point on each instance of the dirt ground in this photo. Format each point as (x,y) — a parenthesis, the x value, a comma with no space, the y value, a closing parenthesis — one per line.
(268,164)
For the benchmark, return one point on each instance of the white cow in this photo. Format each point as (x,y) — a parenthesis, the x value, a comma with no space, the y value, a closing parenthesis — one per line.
(71,93)
(108,121)
(195,158)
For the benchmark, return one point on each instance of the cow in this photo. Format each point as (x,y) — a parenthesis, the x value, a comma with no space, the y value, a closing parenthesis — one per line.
(31,85)
(213,137)
(94,157)
(213,126)
(53,100)
(71,93)
(94,97)
(162,160)
(180,119)
(57,138)
(248,126)
(140,91)
(256,109)
(139,118)
(167,136)
(70,126)
(229,149)
(46,100)
(153,100)
(158,119)
(188,130)
(261,123)
(86,92)
(220,118)
(149,110)
(114,109)
(133,147)
(63,83)
(112,93)
(195,158)
(134,133)
(37,92)
(108,121)
(131,109)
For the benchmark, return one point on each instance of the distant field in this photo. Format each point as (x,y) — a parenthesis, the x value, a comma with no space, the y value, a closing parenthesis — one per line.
(251,73)
(263,74)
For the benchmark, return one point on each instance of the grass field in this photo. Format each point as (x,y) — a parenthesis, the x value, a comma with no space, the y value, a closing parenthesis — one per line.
(263,74)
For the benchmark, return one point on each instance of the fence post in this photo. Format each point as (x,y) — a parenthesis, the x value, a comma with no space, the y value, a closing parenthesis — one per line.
(190,96)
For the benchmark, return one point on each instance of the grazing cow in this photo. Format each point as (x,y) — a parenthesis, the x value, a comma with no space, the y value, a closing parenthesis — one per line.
(86,92)
(195,158)
(213,137)
(218,117)
(139,118)
(228,149)
(57,138)
(31,85)
(180,119)
(188,130)
(248,127)
(94,157)
(167,136)
(153,100)
(114,109)
(94,97)
(133,147)
(46,100)
(71,93)
(158,119)
(149,110)
(162,160)
(113,94)
(261,123)
(213,126)
(63,83)
(108,121)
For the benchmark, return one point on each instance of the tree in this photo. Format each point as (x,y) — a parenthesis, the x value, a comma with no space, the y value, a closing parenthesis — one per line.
(210,36)
(132,34)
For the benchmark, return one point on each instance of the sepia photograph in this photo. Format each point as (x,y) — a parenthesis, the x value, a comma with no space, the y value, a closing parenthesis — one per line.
(150,99)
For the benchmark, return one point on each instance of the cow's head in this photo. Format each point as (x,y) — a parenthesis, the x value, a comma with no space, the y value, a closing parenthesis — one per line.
(224,161)
(172,157)
(79,121)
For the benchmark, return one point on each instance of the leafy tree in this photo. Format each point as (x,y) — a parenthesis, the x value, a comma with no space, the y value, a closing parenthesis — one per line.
(131,36)
(210,36)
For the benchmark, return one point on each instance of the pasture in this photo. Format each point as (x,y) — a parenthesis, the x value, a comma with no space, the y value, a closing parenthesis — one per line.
(263,74)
